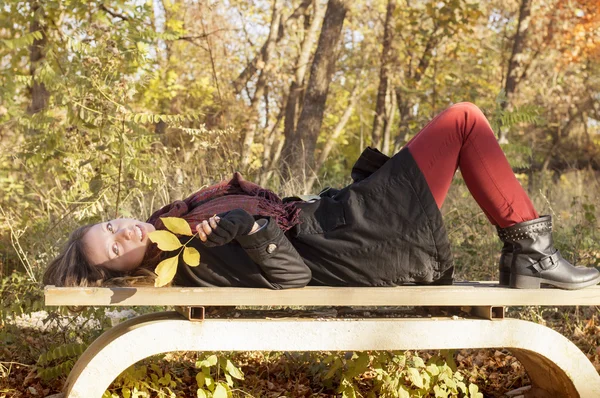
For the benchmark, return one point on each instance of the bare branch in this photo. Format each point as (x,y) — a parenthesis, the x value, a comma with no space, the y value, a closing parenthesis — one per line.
(204,35)
(114,14)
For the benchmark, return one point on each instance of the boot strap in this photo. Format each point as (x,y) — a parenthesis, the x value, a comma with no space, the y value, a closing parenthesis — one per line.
(547,263)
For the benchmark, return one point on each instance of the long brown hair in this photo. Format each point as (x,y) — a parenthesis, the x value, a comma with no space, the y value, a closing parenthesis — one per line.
(72,268)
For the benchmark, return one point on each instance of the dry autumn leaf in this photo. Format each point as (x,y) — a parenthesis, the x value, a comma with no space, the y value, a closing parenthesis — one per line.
(177,225)
(191,256)
(165,240)
(166,271)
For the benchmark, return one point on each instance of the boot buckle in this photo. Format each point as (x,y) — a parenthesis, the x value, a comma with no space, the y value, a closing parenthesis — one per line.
(547,263)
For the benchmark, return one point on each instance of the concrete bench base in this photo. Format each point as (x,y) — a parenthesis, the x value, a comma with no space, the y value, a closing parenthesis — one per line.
(556,367)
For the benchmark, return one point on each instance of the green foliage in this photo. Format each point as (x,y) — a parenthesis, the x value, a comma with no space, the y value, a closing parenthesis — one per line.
(144,381)
(92,152)
(502,118)
(19,295)
(213,369)
(398,375)
(25,40)
(528,114)
(579,242)
(215,379)
(59,361)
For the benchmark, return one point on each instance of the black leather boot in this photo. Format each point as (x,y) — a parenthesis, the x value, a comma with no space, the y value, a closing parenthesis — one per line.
(505,262)
(536,261)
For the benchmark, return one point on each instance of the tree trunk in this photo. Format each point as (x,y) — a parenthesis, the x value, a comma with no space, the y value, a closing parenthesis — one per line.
(406,103)
(38,92)
(292,109)
(260,86)
(250,70)
(267,158)
(389,121)
(164,61)
(274,159)
(514,62)
(299,151)
(332,139)
(386,57)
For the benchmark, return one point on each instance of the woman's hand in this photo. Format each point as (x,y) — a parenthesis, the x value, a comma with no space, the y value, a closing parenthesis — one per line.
(220,230)
(206,227)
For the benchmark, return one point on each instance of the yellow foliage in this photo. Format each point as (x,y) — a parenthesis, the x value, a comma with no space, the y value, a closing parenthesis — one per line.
(191,256)
(165,240)
(177,225)
(166,271)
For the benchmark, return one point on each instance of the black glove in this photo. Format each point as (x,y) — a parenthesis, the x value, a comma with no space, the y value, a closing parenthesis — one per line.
(232,224)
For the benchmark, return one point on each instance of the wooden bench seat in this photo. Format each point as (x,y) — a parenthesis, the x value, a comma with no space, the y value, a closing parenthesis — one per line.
(557,368)
(459,294)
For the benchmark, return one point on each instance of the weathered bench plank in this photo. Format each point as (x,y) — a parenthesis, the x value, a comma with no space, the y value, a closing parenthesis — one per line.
(460,294)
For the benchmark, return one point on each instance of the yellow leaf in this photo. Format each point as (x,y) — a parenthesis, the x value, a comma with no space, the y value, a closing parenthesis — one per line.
(177,225)
(201,393)
(212,360)
(220,391)
(234,371)
(200,379)
(166,271)
(165,240)
(191,256)
(402,393)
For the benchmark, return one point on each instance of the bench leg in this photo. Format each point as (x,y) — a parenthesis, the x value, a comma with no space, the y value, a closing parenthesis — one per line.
(548,380)
(557,368)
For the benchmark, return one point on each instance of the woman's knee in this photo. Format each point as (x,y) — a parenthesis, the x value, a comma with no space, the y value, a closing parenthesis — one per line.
(469,115)
(466,116)
(466,107)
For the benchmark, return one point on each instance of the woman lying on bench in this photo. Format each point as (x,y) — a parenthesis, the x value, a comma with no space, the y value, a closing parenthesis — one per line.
(384,229)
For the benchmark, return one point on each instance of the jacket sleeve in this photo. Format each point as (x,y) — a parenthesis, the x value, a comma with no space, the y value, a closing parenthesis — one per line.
(271,250)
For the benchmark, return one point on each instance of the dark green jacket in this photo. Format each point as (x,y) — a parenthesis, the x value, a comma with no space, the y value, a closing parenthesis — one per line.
(384,229)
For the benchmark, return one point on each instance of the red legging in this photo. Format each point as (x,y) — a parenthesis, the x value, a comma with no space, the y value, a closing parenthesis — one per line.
(462,137)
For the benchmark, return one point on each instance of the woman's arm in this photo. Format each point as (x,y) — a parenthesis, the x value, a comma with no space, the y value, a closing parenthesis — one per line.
(276,256)
(264,243)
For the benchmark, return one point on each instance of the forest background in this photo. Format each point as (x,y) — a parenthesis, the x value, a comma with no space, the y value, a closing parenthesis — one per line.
(115,108)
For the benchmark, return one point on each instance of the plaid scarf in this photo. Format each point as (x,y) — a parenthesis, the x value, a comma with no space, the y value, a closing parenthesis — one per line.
(236,193)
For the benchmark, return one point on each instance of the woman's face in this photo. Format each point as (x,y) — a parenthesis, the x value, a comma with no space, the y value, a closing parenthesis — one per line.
(118,245)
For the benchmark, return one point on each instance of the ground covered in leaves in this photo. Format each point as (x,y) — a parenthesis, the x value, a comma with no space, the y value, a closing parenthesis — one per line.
(495,372)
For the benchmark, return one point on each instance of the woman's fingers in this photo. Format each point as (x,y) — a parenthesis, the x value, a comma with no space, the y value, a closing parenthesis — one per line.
(203,230)
(206,227)
(201,234)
